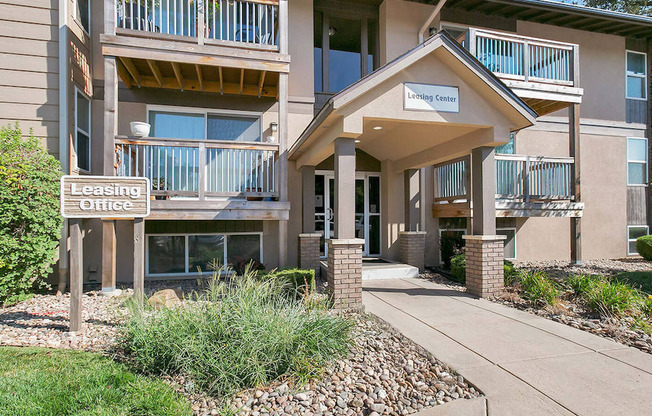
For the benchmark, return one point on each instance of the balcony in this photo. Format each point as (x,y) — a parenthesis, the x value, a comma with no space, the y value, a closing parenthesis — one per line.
(222,46)
(204,179)
(526,186)
(544,73)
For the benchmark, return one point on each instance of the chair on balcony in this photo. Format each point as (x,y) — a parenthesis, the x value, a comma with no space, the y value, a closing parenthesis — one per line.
(130,17)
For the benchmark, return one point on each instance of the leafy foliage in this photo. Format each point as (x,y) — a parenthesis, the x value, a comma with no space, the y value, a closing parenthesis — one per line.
(642,7)
(297,283)
(46,382)
(610,297)
(241,265)
(451,244)
(241,334)
(538,288)
(644,247)
(580,284)
(30,223)
(458,267)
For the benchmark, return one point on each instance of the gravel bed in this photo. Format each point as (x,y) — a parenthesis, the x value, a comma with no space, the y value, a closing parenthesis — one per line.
(385,374)
(560,269)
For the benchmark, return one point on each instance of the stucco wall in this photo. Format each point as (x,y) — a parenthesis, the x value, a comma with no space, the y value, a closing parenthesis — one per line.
(602,67)
(400,22)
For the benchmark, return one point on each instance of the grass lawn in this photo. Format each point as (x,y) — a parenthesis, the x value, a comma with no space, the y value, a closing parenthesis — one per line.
(44,382)
(642,280)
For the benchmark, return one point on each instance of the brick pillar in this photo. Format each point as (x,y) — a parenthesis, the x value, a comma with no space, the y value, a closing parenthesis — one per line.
(413,248)
(345,273)
(484,264)
(309,251)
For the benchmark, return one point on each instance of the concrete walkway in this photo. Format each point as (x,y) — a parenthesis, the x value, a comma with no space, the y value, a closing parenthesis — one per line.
(525,364)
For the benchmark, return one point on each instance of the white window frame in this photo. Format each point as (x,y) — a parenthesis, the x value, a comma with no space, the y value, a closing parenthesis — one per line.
(638,161)
(87,32)
(629,240)
(87,133)
(186,249)
(209,111)
(644,76)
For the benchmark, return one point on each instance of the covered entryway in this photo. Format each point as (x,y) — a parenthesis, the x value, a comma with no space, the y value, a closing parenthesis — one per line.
(433,104)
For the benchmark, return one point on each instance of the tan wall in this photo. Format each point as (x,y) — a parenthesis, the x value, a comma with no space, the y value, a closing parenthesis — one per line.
(301,48)
(29,69)
(602,67)
(400,22)
(540,238)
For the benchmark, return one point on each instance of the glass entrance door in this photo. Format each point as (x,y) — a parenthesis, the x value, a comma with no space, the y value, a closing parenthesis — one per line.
(367,211)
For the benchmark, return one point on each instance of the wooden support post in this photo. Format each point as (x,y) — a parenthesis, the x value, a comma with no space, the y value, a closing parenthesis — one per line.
(108,255)
(484,190)
(108,169)
(344,188)
(308,198)
(63,258)
(574,151)
(139,257)
(76,274)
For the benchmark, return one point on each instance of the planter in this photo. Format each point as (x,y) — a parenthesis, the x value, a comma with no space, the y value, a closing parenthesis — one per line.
(140,129)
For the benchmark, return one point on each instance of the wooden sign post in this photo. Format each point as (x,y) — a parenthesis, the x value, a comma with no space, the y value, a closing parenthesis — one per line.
(105,197)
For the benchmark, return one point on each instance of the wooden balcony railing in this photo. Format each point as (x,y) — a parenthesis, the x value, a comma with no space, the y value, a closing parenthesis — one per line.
(523,58)
(518,177)
(243,23)
(200,168)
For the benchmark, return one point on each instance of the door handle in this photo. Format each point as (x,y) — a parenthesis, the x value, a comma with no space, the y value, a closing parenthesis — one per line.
(330,214)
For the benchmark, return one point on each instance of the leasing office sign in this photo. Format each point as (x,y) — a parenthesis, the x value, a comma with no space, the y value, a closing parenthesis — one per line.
(104,197)
(428,97)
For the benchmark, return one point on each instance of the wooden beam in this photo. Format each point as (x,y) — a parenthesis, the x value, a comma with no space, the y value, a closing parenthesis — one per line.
(210,86)
(124,74)
(155,71)
(241,79)
(76,274)
(177,74)
(108,255)
(139,258)
(261,81)
(131,68)
(221,78)
(200,77)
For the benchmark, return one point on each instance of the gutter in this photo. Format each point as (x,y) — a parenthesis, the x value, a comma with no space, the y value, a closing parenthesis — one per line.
(422,32)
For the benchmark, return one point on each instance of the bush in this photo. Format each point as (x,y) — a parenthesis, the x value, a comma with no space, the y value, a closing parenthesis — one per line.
(242,334)
(451,243)
(242,266)
(458,267)
(612,297)
(30,223)
(646,308)
(296,282)
(538,288)
(580,284)
(40,381)
(509,272)
(644,247)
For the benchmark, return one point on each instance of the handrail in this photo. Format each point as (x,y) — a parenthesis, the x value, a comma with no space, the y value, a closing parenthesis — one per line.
(226,144)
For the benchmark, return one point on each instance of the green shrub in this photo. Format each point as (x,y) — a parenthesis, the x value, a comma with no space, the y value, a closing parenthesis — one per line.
(612,297)
(538,288)
(458,268)
(644,247)
(580,284)
(242,334)
(509,272)
(646,307)
(450,243)
(296,282)
(30,223)
(49,382)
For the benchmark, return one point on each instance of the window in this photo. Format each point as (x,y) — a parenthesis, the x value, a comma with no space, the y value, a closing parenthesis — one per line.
(201,125)
(82,131)
(636,161)
(189,253)
(636,75)
(83,14)
(634,232)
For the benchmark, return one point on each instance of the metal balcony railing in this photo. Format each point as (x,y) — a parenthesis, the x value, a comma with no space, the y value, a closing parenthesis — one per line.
(524,58)
(253,22)
(200,168)
(518,177)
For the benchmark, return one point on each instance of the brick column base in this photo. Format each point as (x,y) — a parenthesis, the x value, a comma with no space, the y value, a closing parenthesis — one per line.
(413,248)
(309,251)
(484,265)
(344,274)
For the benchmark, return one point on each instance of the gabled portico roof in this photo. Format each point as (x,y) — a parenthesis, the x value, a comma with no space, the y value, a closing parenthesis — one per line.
(504,101)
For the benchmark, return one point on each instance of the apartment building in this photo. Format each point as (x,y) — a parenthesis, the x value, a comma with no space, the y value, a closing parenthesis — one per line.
(320,133)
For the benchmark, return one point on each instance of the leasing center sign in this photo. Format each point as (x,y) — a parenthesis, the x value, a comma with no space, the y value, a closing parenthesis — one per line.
(104,197)
(427,97)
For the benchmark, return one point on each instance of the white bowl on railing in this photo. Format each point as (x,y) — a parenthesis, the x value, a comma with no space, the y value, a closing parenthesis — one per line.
(140,129)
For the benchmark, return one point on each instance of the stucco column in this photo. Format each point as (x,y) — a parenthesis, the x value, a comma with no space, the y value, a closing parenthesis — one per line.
(574,151)
(483,171)
(308,198)
(412,190)
(344,205)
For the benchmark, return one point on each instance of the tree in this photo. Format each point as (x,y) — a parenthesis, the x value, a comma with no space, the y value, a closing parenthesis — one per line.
(30,222)
(641,7)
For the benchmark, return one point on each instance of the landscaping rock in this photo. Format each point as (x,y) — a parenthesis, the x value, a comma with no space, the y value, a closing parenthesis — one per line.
(166,298)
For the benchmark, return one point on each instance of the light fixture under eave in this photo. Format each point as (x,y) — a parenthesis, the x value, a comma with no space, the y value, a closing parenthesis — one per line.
(378,128)
(357,141)
(332,31)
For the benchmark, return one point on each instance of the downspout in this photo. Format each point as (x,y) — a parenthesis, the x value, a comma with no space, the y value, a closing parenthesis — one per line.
(64,156)
(426,24)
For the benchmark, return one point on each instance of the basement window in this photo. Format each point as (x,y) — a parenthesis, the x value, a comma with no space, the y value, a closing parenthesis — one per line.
(634,232)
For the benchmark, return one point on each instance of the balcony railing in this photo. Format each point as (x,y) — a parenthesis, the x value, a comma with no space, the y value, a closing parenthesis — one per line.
(200,168)
(252,22)
(523,58)
(518,177)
